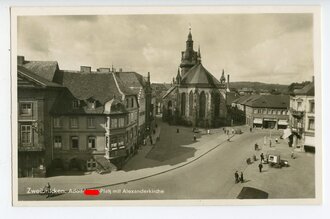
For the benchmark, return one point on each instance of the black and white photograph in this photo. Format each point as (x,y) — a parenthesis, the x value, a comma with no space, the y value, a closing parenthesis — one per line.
(145,105)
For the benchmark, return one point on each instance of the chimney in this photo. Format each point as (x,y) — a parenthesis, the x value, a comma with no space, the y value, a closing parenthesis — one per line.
(20,60)
(85,69)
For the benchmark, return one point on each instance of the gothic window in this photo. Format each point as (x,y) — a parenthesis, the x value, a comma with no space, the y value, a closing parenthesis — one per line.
(202,105)
(191,102)
(183,104)
(216,103)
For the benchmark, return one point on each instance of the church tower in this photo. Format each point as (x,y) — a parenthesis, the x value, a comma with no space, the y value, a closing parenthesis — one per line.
(189,56)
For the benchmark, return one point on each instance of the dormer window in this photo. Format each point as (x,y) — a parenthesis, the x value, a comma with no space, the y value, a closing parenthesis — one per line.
(75,104)
(93,104)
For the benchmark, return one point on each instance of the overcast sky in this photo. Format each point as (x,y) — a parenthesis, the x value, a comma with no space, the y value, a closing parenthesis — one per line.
(272,48)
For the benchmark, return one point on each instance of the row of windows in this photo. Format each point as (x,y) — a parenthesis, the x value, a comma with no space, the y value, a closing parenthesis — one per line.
(270,111)
(74,142)
(74,122)
(298,106)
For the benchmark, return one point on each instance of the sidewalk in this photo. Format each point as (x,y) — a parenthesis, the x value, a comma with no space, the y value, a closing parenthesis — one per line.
(133,170)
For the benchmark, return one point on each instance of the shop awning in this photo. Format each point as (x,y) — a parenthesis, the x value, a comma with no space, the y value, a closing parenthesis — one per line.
(257,121)
(309,141)
(282,122)
(287,133)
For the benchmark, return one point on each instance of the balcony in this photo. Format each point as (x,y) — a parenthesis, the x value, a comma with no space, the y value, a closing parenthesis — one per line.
(297,113)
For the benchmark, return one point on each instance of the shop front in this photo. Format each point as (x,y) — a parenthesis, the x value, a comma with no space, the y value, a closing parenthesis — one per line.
(257,122)
(282,124)
(269,123)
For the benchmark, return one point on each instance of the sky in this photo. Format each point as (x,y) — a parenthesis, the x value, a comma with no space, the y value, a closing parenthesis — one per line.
(270,48)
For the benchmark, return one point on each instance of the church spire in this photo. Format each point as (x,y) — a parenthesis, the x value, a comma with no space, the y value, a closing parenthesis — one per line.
(223,79)
(189,35)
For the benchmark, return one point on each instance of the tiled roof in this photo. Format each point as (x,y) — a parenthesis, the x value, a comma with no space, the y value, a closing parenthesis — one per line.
(101,87)
(198,75)
(132,80)
(34,77)
(306,90)
(268,101)
(45,69)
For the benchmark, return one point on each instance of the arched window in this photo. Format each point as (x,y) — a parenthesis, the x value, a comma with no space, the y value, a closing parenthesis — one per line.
(191,102)
(202,105)
(216,103)
(183,104)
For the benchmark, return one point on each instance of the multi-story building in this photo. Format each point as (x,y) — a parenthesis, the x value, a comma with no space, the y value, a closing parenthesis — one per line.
(142,88)
(302,117)
(96,120)
(73,119)
(265,111)
(36,96)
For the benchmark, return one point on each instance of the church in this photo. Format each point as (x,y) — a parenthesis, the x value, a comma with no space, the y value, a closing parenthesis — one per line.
(196,98)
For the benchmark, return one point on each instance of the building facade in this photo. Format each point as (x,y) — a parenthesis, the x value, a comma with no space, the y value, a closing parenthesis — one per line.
(265,111)
(302,117)
(99,122)
(196,97)
(35,99)
(141,87)
(74,120)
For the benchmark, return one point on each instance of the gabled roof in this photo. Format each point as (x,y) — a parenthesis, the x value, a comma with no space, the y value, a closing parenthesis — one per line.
(35,78)
(306,90)
(198,75)
(102,86)
(45,69)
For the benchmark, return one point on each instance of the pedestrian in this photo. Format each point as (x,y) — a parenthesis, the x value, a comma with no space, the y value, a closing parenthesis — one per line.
(236,177)
(254,157)
(224,130)
(270,143)
(242,178)
(256,146)
(194,137)
(250,129)
(260,167)
(144,142)
(48,190)
(177,130)
(276,140)
(208,131)
(262,158)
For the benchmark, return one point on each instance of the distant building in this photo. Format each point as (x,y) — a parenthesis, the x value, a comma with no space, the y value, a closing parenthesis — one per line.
(265,111)
(158,91)
(196,98)
(302,117)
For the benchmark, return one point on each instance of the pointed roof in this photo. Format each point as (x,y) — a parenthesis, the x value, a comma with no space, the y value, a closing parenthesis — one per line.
(189,35)
(200,76)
